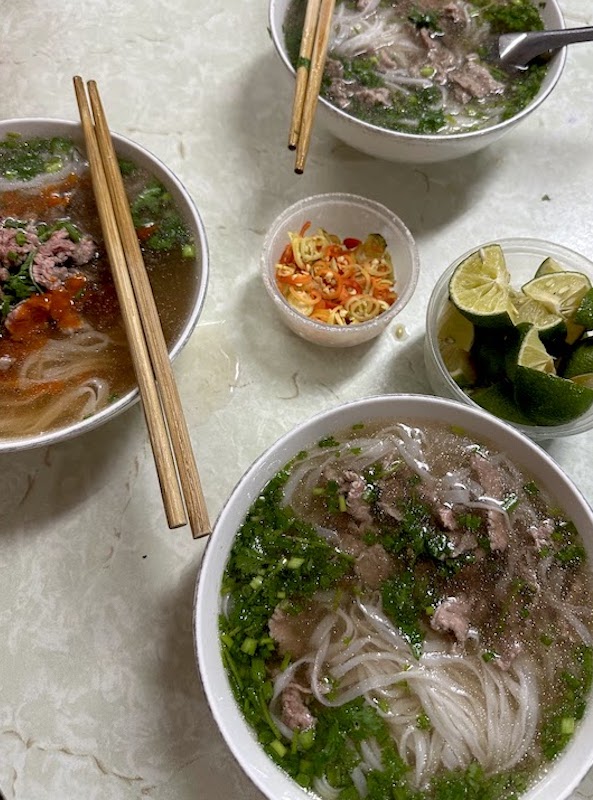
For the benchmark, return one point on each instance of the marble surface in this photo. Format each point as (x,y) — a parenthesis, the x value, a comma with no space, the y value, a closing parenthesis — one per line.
(99,693)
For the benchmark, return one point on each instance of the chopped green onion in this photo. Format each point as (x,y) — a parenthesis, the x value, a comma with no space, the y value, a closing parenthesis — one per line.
(567,725)
(278,747)
(249,646)
(295,562)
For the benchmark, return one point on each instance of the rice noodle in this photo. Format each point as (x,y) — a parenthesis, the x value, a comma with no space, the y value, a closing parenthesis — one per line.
(79,365)
(458,693)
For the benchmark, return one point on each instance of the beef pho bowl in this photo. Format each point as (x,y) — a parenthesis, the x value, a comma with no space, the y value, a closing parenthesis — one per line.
(418,80)
(64,360)
(396,602)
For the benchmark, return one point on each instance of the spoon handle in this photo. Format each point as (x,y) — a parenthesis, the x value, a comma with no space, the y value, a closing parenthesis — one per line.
(522,47)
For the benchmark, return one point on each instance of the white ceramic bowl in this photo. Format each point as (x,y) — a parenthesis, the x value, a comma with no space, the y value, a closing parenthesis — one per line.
(561,776)
(405,147)
(523,256)
(344,215)
(43,127)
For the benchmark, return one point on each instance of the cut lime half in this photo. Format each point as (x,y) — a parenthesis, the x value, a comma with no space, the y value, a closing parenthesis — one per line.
(480,288)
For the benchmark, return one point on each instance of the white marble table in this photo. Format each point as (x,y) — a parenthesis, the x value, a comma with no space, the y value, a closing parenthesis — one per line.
(99,692)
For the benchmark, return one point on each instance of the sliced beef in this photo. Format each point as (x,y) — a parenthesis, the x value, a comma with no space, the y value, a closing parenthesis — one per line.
(295,713)
(438,55)
(373,566)
(510,651)
(463,542)
(452,616)
(489,478)
(353,486)
(474,80)
(374,97)
(455,12)
(292,631)
(542,533)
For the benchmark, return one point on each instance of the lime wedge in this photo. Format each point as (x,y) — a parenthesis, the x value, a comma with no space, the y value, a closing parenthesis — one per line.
(479,288)
(584,380)
(528,352)
(548,399)
(547,267)
(498,399)
(584,313)
(580,360)
(455,337)
(455,329)
(459,365)
(550,326)
(560,292)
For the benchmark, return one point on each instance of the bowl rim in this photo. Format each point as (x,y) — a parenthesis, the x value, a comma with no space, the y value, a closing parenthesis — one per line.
(74,130)
(317,201)
(437,299)
(560,778)
(557,64)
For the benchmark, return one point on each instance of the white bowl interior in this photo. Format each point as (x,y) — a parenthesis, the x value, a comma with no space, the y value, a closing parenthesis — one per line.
(414,148)
(125,148)
(523,256)
(563,775)
(343,215)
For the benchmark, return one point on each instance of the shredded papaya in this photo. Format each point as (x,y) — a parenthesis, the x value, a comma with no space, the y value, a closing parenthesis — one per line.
(337,282)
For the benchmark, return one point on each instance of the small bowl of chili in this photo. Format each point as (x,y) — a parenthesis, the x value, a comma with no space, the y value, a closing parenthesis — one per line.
(339,268)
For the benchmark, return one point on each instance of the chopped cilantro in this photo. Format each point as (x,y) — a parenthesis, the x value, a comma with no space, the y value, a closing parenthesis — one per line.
(23,159)
(154,211)
(328,441)
(514,16)
(425,19)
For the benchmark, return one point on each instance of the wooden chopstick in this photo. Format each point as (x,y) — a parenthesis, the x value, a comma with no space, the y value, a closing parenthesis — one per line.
(303,68)
(168,431)
(311,95)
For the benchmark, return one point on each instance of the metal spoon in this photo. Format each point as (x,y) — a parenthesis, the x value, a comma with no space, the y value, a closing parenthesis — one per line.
(517,49)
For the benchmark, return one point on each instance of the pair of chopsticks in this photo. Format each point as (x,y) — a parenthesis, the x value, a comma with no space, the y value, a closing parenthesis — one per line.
(169,438)
(312,56)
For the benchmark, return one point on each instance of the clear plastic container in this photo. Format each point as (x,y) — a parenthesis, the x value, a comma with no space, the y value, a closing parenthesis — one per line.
(523,256)
(343,215)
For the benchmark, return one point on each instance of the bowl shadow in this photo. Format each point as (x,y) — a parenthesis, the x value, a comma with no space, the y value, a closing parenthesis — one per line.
(71,470)
(189,731)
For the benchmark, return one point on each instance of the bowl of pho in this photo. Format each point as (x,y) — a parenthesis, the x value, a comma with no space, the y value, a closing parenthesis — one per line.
(64,362)
(396,602)
(417,80)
